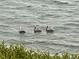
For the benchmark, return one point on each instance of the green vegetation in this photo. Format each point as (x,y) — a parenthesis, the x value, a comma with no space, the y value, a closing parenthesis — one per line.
(19,52)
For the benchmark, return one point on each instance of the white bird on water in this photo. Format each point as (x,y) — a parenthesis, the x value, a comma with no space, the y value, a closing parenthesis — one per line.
(37,30)
(49,30)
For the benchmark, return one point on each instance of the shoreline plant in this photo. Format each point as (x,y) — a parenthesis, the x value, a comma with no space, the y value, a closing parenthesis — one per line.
(20,52)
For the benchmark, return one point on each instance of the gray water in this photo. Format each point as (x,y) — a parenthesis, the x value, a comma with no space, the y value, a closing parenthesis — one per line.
(60,15)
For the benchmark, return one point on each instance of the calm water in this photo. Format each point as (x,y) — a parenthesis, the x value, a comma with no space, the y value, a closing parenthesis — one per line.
(61,15)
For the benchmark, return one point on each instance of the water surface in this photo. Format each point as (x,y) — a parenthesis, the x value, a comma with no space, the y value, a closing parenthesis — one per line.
(61,15)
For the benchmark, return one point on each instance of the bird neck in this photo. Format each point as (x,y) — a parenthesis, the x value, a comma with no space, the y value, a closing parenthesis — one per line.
(46,27)
(34,28)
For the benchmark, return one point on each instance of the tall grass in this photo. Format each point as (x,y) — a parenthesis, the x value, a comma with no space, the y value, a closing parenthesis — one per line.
(19,52)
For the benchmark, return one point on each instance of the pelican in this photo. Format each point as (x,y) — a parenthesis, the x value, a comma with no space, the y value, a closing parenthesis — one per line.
(49,30)
(36,30)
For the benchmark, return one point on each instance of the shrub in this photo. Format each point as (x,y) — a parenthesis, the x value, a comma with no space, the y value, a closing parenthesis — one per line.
(19,52)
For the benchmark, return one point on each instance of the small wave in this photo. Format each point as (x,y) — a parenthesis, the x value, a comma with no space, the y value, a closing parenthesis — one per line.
(76,21)
(40,42)
(56,44)
(72,24)
(76,1)
(65,45)
(4,25)
(62,27)
(61,2)
(48,14)
(12,41)
(18,41)
(74,41)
